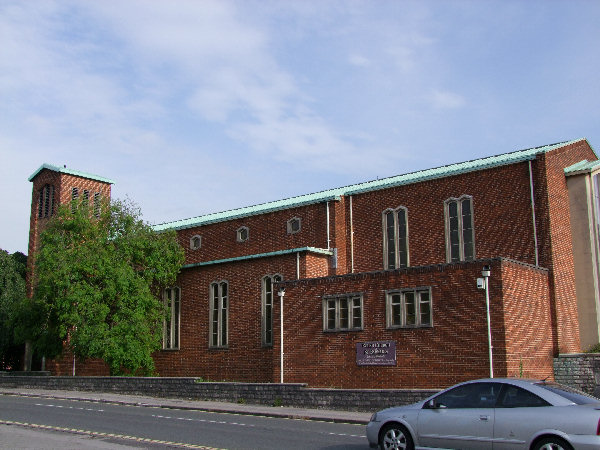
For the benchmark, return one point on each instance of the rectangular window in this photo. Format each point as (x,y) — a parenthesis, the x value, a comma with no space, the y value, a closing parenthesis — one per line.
(218,314)
(343,312)
(460,241)
(409,308)
(395,242)
(268,296)
(172,302)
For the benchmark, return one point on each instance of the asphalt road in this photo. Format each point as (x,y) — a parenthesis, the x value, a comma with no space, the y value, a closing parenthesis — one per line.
(102,425)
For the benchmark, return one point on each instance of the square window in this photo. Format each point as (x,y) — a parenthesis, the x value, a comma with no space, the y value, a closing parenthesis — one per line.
(343,313)
(409,308)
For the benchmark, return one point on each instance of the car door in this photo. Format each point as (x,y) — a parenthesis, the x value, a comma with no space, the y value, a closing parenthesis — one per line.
(519,415)
(461,418)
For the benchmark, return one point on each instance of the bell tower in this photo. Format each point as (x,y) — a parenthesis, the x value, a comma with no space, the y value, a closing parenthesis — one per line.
(52,186)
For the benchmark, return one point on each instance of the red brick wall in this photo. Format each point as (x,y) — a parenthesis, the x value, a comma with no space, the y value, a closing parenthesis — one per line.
(245,359)
(454,349)
(268,233)
(554,231)
(527,321)
(502,217)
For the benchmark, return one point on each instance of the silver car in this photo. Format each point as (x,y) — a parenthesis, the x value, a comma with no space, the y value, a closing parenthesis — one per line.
(495,413)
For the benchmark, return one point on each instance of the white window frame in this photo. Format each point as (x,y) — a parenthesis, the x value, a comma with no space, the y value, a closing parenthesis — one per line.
(397,263)
(268,295)
(334,308)
(396,308)
(239,234)
(219,315)
(172,320)
(195,242)
(290,225)
(462,253)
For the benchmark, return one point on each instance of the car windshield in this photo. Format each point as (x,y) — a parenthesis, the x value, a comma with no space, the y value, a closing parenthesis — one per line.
(573,395)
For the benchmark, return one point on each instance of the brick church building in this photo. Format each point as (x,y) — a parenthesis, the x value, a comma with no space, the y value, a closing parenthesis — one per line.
(379,280)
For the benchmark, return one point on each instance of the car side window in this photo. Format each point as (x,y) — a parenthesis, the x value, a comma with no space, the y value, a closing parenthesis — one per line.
(516,397)
(472,395)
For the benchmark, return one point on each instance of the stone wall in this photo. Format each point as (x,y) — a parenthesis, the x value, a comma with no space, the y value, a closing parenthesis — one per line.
(579,370)
(296,395)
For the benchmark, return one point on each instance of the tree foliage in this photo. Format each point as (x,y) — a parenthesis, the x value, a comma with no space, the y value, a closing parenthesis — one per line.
(12,296)
(98,284)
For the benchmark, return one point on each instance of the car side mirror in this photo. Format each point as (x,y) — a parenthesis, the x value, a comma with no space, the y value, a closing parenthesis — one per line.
(431,404)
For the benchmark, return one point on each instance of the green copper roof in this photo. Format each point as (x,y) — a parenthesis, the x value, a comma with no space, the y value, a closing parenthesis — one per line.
(584,166)
(320,251)
(70,172)
(384,183)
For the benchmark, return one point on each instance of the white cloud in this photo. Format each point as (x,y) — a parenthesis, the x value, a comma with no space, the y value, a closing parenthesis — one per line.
(446,100)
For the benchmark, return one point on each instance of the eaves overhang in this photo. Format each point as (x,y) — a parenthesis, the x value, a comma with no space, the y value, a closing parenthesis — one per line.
(320,197)
(320,251)
(70,172)
(581,167)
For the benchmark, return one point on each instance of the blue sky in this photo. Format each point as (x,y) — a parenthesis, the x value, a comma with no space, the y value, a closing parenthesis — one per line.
(194,107)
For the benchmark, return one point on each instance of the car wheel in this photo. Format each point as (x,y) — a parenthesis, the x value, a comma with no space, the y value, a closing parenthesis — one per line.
(395,437)
(552,443)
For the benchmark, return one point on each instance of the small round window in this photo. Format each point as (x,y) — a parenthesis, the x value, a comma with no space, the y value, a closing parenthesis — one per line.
(243,234)
(195,242)
(294,225)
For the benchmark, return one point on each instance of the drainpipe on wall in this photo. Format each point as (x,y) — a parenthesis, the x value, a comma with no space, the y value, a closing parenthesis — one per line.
(537,261)
(351,239)
(328,235)
(281,293)
(297,265)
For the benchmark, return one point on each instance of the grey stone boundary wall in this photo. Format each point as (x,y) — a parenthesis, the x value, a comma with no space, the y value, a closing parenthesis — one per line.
(296,395)
(579,370)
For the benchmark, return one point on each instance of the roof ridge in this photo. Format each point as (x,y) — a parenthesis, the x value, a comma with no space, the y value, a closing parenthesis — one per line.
(65,170)
(366,186)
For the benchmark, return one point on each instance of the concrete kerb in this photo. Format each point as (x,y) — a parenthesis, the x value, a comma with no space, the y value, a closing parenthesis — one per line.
(323,415)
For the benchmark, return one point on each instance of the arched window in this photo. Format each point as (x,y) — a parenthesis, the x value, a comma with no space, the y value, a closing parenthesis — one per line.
(395,238)
(46,201)
(172,302)
(219,304)
(268,297)
(460,234)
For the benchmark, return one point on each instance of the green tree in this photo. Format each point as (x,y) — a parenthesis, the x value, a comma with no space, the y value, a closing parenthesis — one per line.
(12,295)
(99,276)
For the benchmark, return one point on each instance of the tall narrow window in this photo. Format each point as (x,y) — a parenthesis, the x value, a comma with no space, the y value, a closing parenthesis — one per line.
(343,313)
(460,241)
(74,197)
(97,204)
(395,240)
(219,302)
(268,297)
(86,197)
(172,302)
(46,201)
(408,308)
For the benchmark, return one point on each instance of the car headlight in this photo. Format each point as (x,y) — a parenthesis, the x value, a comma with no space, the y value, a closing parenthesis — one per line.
(374,417)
